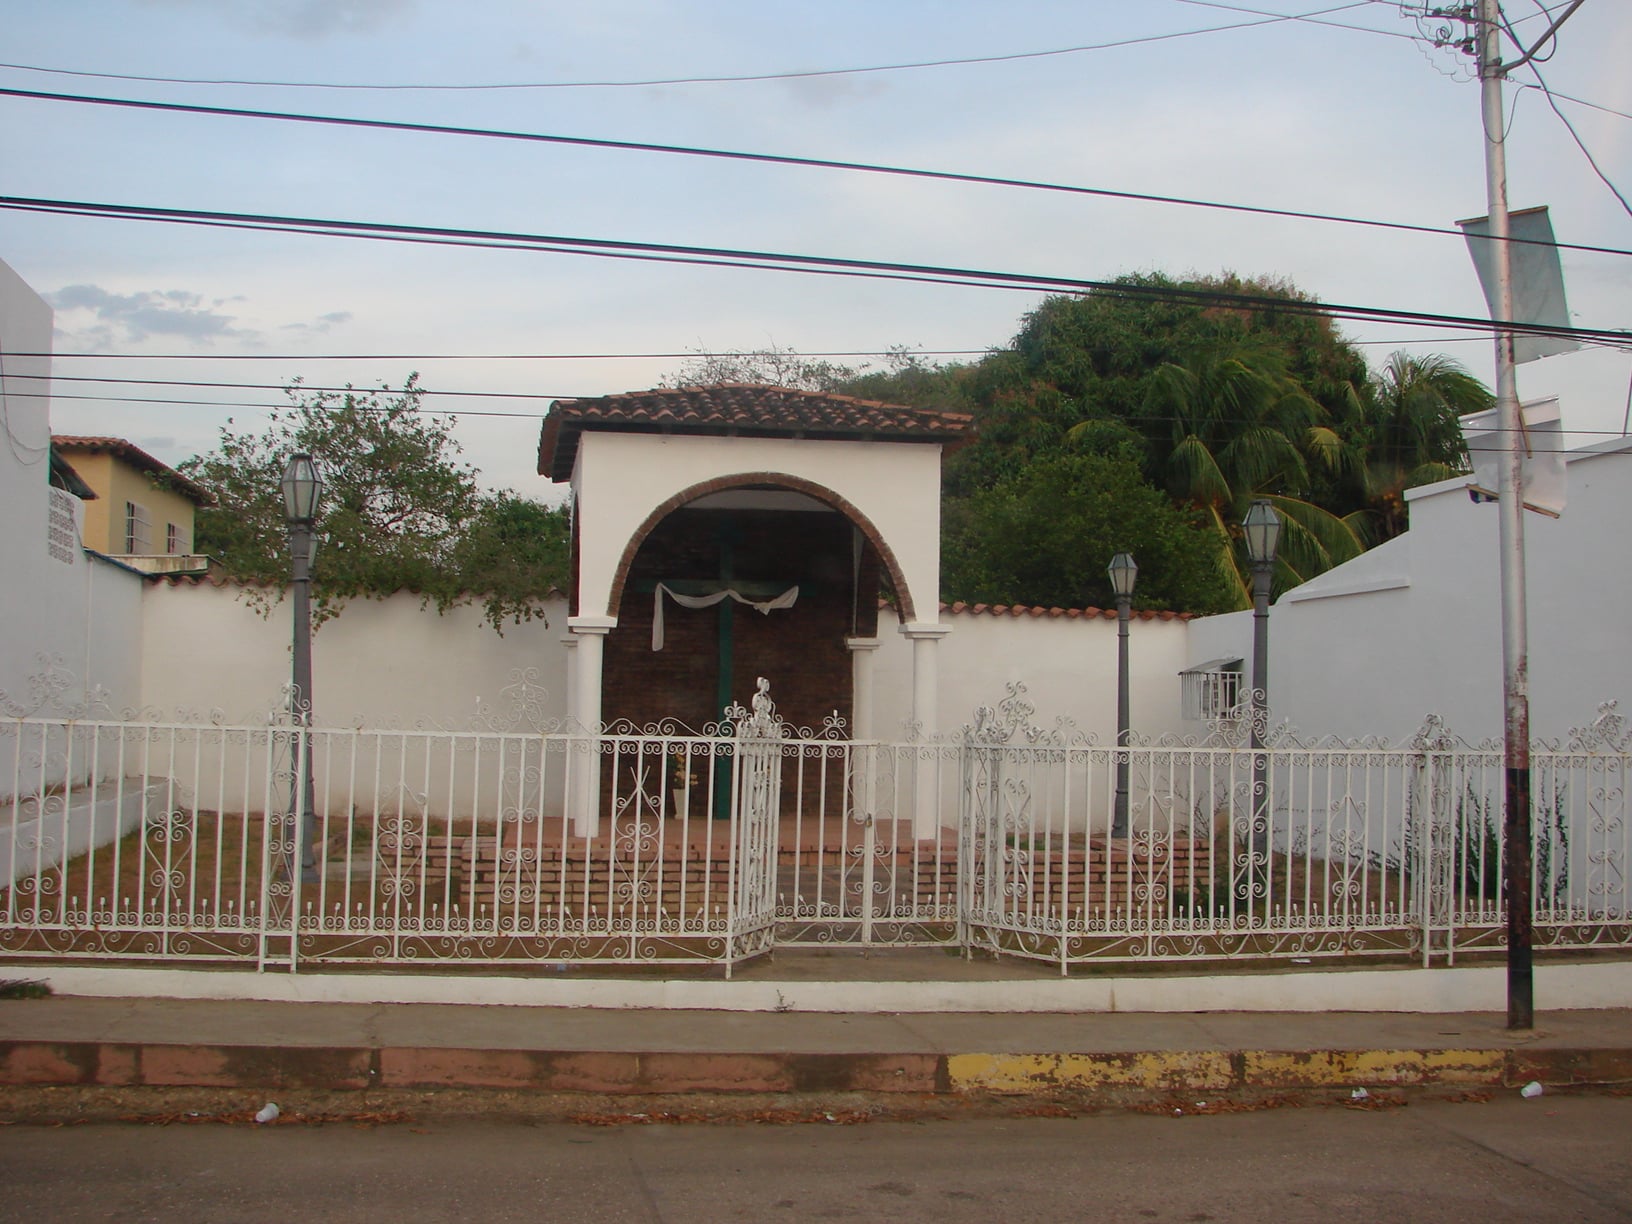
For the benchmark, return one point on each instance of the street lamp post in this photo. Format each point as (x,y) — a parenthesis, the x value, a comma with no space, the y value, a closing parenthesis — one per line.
(302,487)
(1262,527)
(1123,571)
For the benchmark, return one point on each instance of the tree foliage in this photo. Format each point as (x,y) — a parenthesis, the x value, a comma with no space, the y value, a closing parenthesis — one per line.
(514,551)
(1046,534)
(400,510)
(1406,431)
(1214,391)
(773,366)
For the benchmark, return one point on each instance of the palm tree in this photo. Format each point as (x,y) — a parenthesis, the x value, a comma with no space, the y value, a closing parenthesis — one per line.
(1242,428)
(1404,429)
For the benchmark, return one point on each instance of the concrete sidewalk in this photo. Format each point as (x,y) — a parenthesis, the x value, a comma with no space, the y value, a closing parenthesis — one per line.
(121,1042)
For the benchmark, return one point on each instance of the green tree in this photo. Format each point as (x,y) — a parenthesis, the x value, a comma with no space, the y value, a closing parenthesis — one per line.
(1243,427)
(397,501)
(1404,429)
(1046,534)
(773,366)
(906,378)
(514,551)
(1217,389)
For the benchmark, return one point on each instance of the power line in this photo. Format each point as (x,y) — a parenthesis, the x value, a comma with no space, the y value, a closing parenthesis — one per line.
(632,146)
(785,262)
(1314,19)
(687,355)
(1579,143)
(108,380)
(1564,97)
(487,413)
(734,79)
(296,387)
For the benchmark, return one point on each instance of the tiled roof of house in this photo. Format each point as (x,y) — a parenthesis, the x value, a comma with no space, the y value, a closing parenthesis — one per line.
(65,478)
(742,409)
(979,609)
(137,458)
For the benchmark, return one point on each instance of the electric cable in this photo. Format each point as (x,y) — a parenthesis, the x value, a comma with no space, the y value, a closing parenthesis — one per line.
(1576,136)
(633,146)
(686,355)
(784,262)
(487,413)
(745,78)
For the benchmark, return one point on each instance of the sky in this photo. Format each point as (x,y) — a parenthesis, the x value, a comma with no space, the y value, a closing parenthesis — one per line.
(1348,110)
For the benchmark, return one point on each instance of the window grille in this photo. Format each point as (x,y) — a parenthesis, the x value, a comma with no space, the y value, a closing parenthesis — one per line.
(62,527)
(174,542)
(138,531)
(1211,689)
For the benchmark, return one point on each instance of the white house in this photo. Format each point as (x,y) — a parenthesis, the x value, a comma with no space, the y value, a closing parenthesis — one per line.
(1414,626)
(72,617)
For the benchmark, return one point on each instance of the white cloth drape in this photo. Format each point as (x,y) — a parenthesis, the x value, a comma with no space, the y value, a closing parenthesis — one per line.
(762,606)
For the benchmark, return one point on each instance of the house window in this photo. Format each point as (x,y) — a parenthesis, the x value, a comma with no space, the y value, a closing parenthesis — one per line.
(62,529)
(174,542)
(1211,689)
(138,531)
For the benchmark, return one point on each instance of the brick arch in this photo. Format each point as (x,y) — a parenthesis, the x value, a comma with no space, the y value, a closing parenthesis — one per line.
(783,480)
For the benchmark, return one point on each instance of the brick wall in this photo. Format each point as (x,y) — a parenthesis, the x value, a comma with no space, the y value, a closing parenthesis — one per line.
(800,650)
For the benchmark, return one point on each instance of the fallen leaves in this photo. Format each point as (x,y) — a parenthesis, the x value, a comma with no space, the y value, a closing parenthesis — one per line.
(767,1117)
(246,1117)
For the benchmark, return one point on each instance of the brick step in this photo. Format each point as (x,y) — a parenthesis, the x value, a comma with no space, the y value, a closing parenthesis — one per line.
(699,875)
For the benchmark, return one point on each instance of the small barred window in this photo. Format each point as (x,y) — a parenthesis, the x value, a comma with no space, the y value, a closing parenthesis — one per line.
(62,529)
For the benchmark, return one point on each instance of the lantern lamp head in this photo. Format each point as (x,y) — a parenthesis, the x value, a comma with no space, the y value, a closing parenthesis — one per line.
(1262,527)
(1123,571)
(302,487)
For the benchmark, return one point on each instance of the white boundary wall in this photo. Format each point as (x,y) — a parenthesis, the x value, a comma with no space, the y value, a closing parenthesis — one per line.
(388,662)
(1068,665)
(392,662)
(1414,626)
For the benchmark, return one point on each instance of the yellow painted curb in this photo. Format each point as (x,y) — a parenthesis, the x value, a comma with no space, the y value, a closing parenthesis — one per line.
(1020,1073)
(1338,1068)
(1217,1070)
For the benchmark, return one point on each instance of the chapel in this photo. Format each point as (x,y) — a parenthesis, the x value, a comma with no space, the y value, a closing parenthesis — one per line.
(725,533)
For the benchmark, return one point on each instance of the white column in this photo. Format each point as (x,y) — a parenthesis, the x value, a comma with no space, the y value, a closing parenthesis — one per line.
(862,650)
(585,749)
(864,761)
(569,642)
(569,726)
(924,636)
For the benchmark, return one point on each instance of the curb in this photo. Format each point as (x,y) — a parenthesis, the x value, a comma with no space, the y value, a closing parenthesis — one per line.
(166,1065)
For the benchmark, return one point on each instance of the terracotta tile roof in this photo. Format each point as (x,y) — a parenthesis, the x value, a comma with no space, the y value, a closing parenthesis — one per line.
(137,458)
(742,409)
(979,609)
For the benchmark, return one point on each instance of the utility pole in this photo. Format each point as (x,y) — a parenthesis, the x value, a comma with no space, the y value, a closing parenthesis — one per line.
(1486,23)
(1510,506)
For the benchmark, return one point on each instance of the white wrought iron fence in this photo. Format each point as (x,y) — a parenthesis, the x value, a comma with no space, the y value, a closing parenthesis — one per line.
(509,841)
(163,841)
(1289,849)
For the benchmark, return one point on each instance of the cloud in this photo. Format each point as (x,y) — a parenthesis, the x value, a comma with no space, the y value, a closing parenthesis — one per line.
(133,317)
(304,19)
(831,91)
(320,326)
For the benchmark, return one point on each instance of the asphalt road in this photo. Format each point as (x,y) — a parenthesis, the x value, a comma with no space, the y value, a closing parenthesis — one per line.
(1556,1158)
